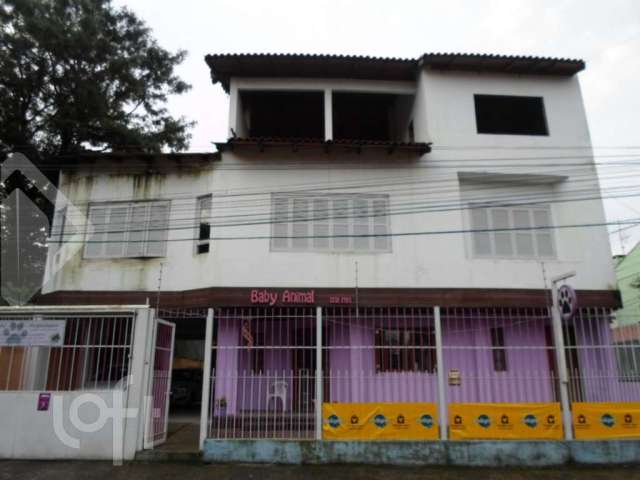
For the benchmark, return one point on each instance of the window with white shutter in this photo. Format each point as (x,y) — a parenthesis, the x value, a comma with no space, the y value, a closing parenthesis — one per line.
(512,232)
(331,223)
(127,229)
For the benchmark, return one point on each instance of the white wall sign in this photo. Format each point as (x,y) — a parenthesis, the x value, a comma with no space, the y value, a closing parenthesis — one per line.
(32,333)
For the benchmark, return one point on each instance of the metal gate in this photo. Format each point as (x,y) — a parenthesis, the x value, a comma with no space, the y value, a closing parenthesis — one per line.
(158,412)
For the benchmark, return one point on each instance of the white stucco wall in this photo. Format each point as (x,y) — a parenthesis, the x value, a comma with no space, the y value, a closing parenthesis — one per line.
(26,433)
(93,424)
(443,114)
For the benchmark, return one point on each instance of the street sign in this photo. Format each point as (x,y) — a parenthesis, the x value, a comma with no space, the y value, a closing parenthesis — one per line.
(567,302)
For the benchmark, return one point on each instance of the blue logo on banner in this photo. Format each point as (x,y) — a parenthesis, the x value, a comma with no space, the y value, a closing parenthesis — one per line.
(426,421)
(531,421)
(484,421)
(608,420)
(380,421)
(334,421)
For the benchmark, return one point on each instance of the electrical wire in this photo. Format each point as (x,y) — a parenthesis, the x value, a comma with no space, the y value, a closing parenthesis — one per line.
(372,235)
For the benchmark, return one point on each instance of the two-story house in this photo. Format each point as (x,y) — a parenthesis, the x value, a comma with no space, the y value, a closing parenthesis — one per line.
(368,224)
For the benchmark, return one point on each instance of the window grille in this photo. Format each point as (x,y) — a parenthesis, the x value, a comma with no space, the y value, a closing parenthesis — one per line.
(415,350)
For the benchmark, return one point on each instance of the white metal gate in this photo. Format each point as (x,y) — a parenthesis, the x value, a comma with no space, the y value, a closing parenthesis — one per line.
(160,386)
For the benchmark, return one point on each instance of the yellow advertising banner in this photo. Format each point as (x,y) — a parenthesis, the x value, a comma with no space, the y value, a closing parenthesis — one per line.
(505,421)
(380,421)
(606,420)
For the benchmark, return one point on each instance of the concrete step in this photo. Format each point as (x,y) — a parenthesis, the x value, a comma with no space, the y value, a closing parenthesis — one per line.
(159,455)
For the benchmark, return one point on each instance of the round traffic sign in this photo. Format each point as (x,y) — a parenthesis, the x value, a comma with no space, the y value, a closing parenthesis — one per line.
(567,302)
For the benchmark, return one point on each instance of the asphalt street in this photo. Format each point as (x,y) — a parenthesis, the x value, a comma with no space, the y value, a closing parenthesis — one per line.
(61,470)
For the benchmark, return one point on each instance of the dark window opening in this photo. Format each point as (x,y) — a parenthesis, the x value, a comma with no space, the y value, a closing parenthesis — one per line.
(204,231)
(371,116)
(498,350)
(204,225)
(502,114)
(415,350)
(282,114)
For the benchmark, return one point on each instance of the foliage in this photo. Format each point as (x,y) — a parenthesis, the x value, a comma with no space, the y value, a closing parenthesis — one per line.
(77,74)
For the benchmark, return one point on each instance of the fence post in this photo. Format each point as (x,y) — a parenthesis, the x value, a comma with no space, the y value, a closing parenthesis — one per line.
(206,377)
(142,368)
(442,396)
(561,360)
(318,405)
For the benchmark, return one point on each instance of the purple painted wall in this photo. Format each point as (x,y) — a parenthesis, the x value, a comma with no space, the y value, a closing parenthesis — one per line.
(351,375)
(467,347)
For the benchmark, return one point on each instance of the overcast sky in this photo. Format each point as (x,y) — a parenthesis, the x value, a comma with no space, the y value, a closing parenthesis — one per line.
(605,33)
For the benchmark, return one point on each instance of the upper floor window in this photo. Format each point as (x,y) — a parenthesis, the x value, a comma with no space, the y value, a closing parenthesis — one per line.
(372,116)
(203,230)
(516,231)
(281,114)
(516,115)
(341,222)
(127,229)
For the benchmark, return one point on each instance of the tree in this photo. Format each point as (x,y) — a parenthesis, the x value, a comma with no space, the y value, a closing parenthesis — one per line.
(82,74)
(74,75)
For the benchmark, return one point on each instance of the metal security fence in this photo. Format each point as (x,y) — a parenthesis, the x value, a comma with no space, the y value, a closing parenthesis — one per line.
(263,373)
(603,359)
(273,368)
(379,355)
(626,340)
(498,355)
(92,353)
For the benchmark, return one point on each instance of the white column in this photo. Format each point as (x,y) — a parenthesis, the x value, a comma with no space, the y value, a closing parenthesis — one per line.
(442,394)
(562,364)
(318,404)
(141,370)
(328,114)
(149,363)
(234,106)
(206,378)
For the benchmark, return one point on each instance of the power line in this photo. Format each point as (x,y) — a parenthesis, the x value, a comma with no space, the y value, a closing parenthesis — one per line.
(295,219)
(371,235)
(430,160)
(439,188)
